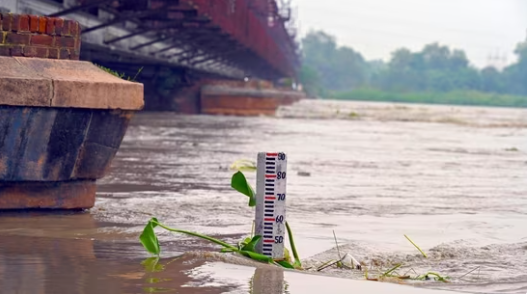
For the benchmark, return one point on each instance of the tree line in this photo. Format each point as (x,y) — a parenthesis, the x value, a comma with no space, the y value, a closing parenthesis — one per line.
(436,74)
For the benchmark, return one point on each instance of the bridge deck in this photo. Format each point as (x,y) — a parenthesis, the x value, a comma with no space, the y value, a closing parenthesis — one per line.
(231,38)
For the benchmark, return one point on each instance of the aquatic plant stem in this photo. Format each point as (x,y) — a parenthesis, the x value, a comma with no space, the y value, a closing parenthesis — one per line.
(326,264)
(292,243)
(439,277)
(416,246)
(219,242)
(336,243)
(391,270)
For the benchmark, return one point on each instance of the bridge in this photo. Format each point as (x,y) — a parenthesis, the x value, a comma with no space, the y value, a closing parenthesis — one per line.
(176,43)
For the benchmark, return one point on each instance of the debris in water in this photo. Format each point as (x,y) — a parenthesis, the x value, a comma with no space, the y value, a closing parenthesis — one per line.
(513,149)
(304,174)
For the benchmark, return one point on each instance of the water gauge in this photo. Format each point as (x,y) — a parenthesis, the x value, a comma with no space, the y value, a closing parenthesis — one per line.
(270,203)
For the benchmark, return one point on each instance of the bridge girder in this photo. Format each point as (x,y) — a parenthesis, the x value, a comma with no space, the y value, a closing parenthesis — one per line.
(189,34)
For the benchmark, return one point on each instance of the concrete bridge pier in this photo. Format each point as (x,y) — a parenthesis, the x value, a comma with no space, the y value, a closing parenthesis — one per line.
(61,120)
(183,91)
(184,46)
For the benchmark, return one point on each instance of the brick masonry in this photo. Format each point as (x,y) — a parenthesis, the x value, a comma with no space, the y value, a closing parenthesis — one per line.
(61,122)
(39,36)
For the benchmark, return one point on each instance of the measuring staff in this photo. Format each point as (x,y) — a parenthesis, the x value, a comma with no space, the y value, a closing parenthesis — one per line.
(270,203)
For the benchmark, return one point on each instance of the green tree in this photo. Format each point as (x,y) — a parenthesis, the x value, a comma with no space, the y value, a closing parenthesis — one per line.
(339,68)
(435,68)
(435,73)
(310,80)
(515,75)
(492,80)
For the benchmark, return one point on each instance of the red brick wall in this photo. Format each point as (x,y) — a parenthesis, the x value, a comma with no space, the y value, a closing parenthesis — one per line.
(39,36)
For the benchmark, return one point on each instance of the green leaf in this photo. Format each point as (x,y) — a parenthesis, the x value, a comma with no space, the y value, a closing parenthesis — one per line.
(149,239)
(257,256)
(243,165)
(287,255)
(244,242)
(252,244)
(240,184)
(285,264)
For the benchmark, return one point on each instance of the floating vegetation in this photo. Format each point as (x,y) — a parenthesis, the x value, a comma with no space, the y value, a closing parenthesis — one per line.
(247,246)
(415,246)
(392,272)
(304,174)
(243,165)
(513,149)
(353,115)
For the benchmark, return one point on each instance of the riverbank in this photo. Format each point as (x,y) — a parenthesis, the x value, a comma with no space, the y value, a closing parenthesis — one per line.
(459,97)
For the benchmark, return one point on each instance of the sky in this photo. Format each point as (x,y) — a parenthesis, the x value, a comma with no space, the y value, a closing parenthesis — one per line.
(375,28)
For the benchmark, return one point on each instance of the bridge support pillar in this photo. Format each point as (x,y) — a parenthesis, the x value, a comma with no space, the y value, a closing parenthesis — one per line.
(253,98)
(61,120)
(221,97)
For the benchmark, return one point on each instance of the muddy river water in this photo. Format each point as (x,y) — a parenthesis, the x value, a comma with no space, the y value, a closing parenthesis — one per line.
(454,179)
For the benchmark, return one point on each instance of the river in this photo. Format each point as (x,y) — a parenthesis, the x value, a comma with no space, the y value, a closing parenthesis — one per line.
(452,178)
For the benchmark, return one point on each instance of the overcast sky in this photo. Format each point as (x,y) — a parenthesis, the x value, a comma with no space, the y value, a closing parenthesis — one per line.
(377,27)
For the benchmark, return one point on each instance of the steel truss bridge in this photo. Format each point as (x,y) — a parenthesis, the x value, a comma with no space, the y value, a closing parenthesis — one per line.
(219,38)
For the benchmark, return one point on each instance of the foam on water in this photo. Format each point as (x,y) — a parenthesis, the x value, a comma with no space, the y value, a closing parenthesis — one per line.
(462,262)
(384,111)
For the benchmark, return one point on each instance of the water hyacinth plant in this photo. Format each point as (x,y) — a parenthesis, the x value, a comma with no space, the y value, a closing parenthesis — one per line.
(246,247)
